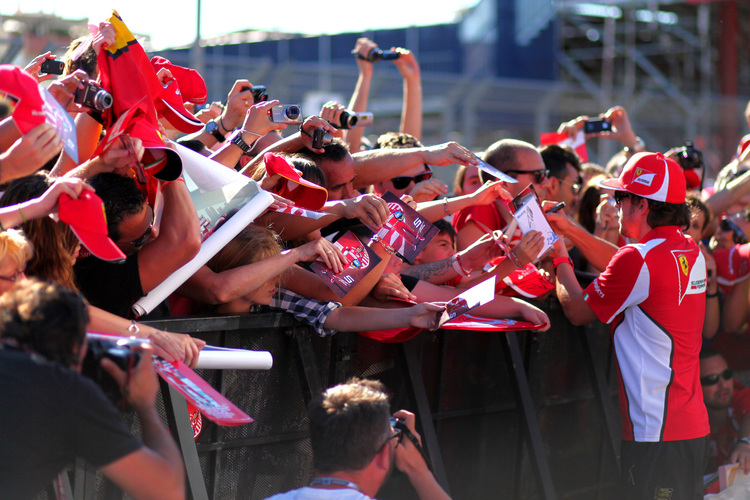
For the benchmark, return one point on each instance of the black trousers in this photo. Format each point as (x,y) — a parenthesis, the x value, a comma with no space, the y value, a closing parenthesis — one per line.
(664,470)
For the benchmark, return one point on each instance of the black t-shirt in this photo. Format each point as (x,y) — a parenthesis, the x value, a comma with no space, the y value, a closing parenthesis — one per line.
(50,415)
(114,287)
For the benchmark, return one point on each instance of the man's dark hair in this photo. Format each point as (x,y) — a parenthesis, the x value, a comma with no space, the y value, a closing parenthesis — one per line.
(503,155)
(445,227)
(556,159)
(46,318)
(121,198)
(708,353)
(348,425)
(668,214)
(336,151)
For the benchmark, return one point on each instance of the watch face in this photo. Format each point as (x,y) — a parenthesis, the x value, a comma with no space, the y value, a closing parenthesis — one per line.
(211,127)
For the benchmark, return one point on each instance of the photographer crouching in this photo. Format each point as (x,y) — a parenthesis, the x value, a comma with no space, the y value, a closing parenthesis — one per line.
(52,414)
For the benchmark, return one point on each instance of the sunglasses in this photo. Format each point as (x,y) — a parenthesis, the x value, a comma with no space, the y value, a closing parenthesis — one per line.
(143,239)
(539,175)
(402,182)
(621,195)
(713,379)
(574,186)
(738,236)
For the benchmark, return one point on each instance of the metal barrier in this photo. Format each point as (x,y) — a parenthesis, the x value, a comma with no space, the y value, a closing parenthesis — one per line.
(510,415)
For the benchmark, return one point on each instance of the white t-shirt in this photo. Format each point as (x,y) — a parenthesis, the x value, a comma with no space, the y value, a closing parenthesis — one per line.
(308,493)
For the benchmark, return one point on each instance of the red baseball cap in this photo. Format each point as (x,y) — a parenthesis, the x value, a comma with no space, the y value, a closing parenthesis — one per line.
(191,82)
(86,217)
(170,105)
(652,176)
(293,187)
(21,92)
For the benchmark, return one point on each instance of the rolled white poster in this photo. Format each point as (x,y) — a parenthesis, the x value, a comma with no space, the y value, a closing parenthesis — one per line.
(225,358)
(223,198)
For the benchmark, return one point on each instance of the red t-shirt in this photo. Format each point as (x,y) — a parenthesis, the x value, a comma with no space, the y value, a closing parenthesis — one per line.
(652,294)
(723,440)
(732,267)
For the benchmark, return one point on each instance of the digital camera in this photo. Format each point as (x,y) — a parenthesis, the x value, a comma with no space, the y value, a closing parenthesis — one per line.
(259,93)
(597,125)
(121,353)
(376,55)
(52,67)
(286,113)
(93,96)
(688,156)
(320,138)
(350,119)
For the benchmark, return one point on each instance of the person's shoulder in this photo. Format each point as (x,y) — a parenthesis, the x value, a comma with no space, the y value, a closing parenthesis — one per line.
(307,493)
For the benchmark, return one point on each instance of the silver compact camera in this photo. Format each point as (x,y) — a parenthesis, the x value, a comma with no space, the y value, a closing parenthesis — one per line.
(286,113)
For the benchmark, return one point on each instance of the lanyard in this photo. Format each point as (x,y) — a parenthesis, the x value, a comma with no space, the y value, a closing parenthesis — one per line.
(328,481)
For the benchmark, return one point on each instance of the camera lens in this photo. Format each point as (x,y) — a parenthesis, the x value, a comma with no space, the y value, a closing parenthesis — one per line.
(102,100)
(292,112)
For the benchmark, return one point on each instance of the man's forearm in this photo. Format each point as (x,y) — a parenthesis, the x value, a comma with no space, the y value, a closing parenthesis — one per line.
(434,272)
(596,250)
(157,438)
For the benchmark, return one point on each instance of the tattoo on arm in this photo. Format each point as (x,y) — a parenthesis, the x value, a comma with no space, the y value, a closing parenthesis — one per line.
(433,272)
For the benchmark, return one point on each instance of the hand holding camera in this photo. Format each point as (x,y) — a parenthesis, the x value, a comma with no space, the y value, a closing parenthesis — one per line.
(308,133)
(238,102)
(40,64)
(257,120)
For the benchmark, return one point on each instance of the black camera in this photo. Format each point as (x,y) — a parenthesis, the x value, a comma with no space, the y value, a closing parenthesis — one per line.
(597,125)
(121,353)
(350,119)
(52,67)
(259,93)
(376,55)
(93,96)
(289,113)
(688,156)
(320,138)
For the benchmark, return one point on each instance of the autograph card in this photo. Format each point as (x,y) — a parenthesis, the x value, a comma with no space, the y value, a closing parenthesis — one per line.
(530,217)
(361,261)
(405,231)
(473,297)
(64,125)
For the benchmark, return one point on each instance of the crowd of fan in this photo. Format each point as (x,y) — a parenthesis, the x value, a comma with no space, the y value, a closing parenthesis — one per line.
(260,269)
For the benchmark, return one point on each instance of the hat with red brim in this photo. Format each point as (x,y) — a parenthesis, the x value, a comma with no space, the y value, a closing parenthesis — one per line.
(169,104)
(21,93)
(293,187)
(652,176)
(86,217)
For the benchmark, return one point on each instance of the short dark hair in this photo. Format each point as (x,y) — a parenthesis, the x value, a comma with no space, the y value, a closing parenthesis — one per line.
(445,227)
(348,425)
(397,140)
(336,151)
(694,204)
(661,213)
(121,198)
(708,353)
(46,318)
(556,159)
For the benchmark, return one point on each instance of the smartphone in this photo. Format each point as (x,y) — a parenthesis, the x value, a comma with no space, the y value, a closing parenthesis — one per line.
(597,125)
(52,67)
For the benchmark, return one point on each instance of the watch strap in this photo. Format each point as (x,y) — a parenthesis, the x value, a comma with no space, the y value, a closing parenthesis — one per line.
(212,127)
(238,141)
(562,260)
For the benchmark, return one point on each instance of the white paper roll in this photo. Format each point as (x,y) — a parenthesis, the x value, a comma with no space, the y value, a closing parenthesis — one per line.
(197,167)
(224,358)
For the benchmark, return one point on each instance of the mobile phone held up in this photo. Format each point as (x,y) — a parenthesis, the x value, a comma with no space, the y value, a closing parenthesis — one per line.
(52,67)
(597,125)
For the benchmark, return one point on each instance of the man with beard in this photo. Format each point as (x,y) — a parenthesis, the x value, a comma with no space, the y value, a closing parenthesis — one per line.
(728,405)
(356,444)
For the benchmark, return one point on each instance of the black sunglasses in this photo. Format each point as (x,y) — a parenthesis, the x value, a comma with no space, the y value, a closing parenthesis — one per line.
(539,175)
(621,195)
(713,379)
(738,236)
(143,239)
(402,182)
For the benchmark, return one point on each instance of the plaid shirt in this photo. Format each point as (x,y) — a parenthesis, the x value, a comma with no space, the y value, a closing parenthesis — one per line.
(311,311)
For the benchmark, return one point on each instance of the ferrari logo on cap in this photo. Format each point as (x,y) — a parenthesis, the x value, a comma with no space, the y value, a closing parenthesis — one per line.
(684,266)
(644,177)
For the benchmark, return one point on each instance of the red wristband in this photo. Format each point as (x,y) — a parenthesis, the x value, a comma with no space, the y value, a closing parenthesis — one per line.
(562,260)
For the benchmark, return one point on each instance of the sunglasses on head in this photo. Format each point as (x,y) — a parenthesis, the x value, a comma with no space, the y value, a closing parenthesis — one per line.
(402,182)
(738,236)
(539,175)
(713,379)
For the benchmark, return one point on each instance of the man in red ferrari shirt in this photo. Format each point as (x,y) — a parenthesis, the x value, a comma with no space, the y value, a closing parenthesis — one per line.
(652,294)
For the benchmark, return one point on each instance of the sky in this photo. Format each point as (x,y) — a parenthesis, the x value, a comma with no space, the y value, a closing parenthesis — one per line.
(173,22)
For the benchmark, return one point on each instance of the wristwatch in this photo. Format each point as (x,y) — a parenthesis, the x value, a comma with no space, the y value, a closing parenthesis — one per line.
(212,127)
(238,141)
